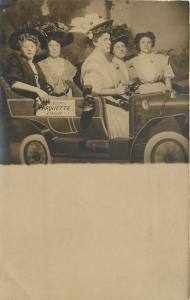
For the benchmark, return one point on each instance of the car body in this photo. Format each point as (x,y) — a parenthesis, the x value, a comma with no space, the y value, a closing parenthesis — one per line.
(158,130)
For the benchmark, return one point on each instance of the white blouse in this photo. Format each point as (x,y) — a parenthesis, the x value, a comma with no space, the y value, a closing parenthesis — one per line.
(150,67)
(121,69)
(99,72)
(56,72)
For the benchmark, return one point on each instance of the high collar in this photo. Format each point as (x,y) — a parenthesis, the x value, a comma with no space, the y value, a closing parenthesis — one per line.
(146,54)
(118,60)
(56,59)
(105,56)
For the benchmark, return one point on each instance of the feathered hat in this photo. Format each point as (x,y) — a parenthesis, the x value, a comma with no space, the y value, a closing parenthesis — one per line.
(120,33)
(25,28)
(90,24)
(58,30)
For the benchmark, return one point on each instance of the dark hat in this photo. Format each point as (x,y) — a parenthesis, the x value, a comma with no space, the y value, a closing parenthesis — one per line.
(119,33)
(25,28)
(64,38)
(57,31)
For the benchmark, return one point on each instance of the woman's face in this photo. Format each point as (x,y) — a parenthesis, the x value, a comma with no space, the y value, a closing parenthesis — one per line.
(103,43)
(28,49)
(119,50)
(145,45)
(54,49)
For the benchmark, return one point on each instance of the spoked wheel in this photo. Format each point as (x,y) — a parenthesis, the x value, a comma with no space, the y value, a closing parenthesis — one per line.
(35,153)
(166,147)
(34,150)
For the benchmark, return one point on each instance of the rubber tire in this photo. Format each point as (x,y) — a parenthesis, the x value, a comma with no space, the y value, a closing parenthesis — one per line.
(18,149)
(14,153)
(165,135)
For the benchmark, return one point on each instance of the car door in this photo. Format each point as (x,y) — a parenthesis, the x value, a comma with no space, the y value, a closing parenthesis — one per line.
(62,116)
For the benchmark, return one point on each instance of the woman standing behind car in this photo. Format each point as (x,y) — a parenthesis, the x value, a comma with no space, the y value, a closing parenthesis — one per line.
(22,74)
(153,70)
(58,71)
(99,72)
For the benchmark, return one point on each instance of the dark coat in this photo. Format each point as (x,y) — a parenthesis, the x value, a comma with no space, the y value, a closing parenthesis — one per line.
(18,69)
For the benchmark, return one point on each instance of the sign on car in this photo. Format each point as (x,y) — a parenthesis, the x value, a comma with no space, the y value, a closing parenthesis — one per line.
(57,108)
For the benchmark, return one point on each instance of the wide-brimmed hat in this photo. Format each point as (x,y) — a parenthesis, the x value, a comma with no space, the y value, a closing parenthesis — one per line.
(90,24)
(25,28)
(120,33)
(57,31)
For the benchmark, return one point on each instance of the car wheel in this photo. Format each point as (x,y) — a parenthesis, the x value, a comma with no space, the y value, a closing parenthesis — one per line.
(167,147)
(34,150)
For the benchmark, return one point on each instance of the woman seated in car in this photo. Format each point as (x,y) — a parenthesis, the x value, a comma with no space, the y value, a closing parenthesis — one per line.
(119,40)
(99,72)
(58,71)
(22,74)
(153,70)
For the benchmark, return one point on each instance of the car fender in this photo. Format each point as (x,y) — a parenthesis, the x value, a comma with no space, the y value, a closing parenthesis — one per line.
(171,140)
(21,128)
(157,125)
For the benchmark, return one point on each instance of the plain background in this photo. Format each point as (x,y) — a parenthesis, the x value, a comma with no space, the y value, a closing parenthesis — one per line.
(98,232)
(169,20)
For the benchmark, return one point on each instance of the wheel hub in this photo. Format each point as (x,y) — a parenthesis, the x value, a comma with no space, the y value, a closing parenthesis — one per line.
(168,151)
(36,156)
(169,158)
(35,153)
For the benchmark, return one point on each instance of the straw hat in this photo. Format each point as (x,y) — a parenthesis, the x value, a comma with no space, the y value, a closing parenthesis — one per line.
(90,24)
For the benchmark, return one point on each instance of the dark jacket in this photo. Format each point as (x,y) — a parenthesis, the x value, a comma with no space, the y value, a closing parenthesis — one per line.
(18,69)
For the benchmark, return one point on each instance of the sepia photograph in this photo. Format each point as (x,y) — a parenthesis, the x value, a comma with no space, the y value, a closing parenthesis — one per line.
(94,81)
(94,150)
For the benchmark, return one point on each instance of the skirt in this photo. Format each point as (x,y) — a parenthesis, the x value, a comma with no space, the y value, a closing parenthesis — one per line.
(118,122)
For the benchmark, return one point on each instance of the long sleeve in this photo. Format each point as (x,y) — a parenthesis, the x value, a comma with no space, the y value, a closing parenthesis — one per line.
(121,70)
(14,71)
(168,72)
(92,75)
(99,72)
(70,70)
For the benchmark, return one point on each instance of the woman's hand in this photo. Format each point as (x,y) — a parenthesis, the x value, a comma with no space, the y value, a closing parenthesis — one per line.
(171,93)
(44,97)
(121,89)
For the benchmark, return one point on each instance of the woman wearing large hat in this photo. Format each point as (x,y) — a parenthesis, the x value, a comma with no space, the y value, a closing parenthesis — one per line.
(23,75)
(119,41)
(58,71)
(99,72)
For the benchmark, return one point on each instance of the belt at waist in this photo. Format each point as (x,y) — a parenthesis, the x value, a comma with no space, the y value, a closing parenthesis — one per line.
(151,82)
(118,102)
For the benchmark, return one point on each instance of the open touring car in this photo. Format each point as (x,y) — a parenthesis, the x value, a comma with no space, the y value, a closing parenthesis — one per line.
(158,129)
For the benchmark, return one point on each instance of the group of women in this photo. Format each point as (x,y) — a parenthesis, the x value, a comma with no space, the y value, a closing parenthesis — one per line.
(105,69)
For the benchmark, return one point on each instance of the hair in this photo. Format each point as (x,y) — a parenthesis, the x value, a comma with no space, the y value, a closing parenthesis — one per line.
(148,34)
(99,33)
(117,41)
(55,38)
(27,37)
(96,35)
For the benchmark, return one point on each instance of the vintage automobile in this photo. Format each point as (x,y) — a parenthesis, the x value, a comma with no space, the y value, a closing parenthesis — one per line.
(66,129)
